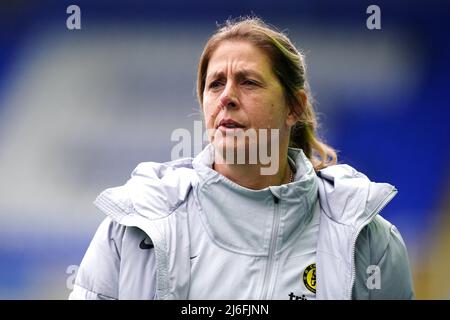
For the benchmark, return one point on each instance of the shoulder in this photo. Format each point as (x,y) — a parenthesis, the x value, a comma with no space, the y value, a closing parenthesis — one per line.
(110,237)
(115,250)
(379,236)
(154,190)
(376,236)
(159,170)
(348,197)
(382,263)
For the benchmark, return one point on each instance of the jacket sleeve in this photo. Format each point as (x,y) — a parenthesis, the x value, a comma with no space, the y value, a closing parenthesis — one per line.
(98,274)
(382,265)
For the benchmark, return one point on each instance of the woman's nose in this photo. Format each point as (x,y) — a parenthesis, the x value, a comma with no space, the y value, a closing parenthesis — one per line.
(228,97)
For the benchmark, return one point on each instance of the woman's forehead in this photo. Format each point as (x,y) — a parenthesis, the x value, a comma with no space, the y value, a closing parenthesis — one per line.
(240,57)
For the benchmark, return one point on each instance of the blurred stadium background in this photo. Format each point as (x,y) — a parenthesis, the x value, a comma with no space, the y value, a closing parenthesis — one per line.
(80,109)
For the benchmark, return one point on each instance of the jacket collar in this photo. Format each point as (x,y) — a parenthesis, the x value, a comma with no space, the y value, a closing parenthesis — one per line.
(240,219)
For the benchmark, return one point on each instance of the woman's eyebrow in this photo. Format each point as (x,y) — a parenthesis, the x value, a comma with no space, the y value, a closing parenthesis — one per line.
(248,73)
(239,74)
(215,75)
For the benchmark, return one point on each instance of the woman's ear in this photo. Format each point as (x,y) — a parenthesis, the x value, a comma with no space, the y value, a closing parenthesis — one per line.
(296,110)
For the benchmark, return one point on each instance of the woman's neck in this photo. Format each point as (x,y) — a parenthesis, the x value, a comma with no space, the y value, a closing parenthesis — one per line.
(250,176)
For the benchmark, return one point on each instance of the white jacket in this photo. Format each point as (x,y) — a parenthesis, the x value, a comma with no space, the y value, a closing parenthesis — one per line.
(213,239)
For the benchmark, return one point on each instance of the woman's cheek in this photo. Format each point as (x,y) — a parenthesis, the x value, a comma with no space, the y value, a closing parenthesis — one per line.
(209,119)
(211,113)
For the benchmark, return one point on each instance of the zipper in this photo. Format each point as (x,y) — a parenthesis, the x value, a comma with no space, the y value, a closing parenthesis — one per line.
(375,212)
(272,246)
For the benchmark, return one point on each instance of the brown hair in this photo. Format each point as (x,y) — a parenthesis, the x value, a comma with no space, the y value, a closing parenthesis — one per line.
(289,67)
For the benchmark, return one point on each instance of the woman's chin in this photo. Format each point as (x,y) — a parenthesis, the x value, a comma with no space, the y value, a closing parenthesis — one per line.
(232,152)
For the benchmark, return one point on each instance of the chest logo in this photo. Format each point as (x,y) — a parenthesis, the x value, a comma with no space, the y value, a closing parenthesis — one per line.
(146,244)
(309,277)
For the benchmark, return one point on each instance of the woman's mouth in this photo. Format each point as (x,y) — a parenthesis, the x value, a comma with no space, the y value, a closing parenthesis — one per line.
(229,124)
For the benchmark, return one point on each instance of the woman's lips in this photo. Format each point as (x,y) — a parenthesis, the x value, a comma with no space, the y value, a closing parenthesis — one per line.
(225,129)
(229,124)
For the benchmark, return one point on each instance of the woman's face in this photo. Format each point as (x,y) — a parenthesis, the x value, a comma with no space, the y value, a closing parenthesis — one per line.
(241,93)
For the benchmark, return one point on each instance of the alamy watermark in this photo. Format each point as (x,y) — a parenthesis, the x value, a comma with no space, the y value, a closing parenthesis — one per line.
(71,271)
(237,146)
(374,20)
(374,279)
(73,21)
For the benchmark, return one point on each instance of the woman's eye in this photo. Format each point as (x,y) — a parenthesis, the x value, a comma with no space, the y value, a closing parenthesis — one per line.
(215,84)
(249,83)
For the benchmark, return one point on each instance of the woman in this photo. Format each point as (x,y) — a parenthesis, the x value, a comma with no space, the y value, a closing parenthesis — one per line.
(217,228)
